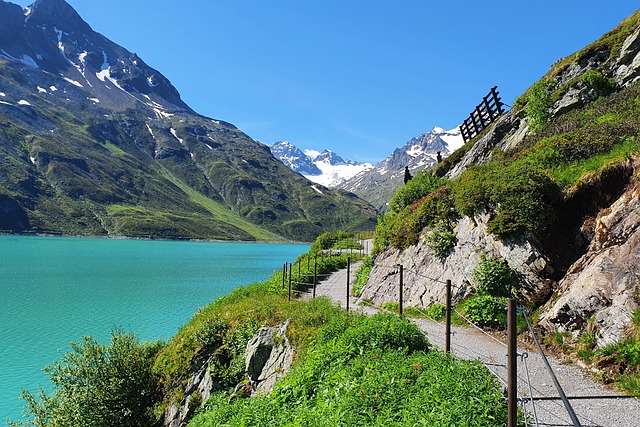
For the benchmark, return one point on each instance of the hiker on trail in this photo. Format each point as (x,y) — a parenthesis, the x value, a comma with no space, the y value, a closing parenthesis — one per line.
(439,157)
(407,175)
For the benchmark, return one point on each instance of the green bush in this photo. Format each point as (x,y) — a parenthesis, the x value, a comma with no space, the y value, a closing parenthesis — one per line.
(381,332)
(437,311)
(401,229)
(495,277)
(521,195)
(485,311)
(423,184)
(539,103)
(322,242)
(98,386)
(362,275)
(441,240)
(594,80)
(211,332)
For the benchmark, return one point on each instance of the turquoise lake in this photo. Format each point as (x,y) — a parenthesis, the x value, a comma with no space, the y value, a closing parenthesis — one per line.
(56,290)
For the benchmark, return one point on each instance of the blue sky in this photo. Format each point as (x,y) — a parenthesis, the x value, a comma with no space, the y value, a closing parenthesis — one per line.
(354,76)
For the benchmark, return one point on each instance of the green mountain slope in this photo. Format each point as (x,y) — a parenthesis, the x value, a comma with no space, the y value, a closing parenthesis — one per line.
(95,142)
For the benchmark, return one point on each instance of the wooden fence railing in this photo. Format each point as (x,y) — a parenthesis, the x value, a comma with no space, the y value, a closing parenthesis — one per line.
(484,114)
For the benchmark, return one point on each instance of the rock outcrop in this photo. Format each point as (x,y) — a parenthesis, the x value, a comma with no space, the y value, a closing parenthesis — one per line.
(601,290)
(268,357)
(507,132)
(424,275)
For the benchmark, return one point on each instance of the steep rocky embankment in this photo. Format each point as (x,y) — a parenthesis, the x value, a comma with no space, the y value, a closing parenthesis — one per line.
(585,274)
(600,290)
(424,274)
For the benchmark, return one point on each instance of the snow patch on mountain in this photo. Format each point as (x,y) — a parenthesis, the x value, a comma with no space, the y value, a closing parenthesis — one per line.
(378,184)
(325,168)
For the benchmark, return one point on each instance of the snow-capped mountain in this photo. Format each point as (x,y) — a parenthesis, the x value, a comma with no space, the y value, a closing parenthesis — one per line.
(294,158)
(50,36)
(378,184)
(326,168)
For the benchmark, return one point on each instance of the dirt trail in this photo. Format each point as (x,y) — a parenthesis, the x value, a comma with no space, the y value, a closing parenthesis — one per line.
(470,343)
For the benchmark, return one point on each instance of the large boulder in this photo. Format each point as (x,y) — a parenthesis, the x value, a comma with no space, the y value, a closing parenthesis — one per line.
(268,357)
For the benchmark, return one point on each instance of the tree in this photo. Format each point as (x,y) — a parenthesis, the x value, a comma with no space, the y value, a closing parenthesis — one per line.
(98,386)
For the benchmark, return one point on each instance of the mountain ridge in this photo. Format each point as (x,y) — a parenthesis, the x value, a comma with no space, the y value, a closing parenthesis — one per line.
(380,183)
(94,141)
(326,168)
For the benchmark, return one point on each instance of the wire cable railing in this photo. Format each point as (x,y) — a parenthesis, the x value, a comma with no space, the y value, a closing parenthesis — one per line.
(527,393)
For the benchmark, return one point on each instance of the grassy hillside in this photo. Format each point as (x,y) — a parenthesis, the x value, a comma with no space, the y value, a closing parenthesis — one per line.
(71,166)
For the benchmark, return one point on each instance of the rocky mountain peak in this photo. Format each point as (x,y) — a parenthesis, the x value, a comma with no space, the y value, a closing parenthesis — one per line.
(326,168)
(57,13)
(50,35)
(294,158)
(330,157)
(378,184)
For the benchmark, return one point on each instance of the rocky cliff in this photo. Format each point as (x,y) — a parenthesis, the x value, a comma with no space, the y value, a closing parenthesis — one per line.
(601,290)
(586,274)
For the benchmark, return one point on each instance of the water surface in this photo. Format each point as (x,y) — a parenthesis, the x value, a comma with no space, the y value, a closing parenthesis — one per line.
(53,291)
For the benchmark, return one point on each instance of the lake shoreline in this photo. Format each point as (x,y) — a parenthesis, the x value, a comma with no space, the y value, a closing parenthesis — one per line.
(57,289)
(150,238)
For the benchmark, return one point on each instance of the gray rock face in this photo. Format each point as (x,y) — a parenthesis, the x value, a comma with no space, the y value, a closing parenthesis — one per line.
(268,357)
(601,288)
(628,69)
(506,131)
(200,385)
(425,275)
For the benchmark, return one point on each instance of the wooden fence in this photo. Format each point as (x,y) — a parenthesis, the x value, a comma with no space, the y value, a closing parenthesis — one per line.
(485,113)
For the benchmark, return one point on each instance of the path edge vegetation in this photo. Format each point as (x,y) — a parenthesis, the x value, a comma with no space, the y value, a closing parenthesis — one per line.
(343,355)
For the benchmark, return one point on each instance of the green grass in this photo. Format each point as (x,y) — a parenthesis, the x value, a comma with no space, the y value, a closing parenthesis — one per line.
(571,174)
(369,372)
(362,275)
(222,213)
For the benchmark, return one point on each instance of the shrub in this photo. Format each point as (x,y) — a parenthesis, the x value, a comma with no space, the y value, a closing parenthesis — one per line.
(594,80)
(401,229)
(381,332)
(322,242)
(539,103)
(421,185)
(362,275)
(486,311)
(494,277)
(211,332)
(441,240)
(437,311)
(99,386)
(521,194)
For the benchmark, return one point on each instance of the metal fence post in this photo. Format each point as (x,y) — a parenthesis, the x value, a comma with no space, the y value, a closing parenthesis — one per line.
(401,286)
(447,338)
(348,274)
(290,268)
(315,277)
(284,274)
(512,367)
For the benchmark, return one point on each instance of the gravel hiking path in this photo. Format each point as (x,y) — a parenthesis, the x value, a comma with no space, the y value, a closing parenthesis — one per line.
(470,343)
